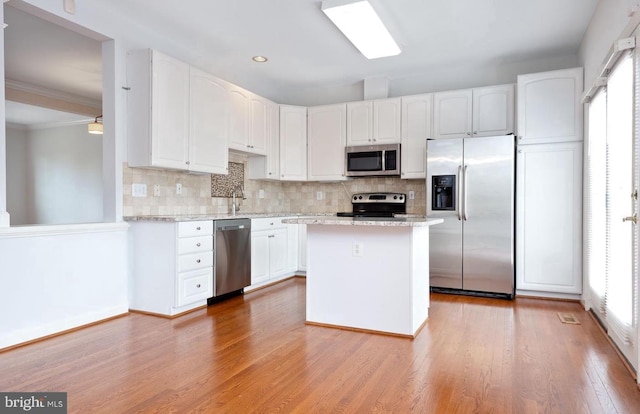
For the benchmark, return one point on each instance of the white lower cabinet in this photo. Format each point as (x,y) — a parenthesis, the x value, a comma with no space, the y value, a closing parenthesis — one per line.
(274,250)
(549,220)
(172,266)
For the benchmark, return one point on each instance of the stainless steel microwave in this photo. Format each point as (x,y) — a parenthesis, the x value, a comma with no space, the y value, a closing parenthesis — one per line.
(372,160)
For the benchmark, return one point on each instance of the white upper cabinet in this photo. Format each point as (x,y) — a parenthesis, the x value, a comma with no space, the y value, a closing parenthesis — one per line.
(239,118)
(293,143)
(386,121)
(360,123)
(478,112)
(327,137)
(268,167)
(452,114)
(373,122)
(493,110)
(550,107)
(248,121)
(208,128)
(167,127)
(259,124)
(158,107)
(417,113)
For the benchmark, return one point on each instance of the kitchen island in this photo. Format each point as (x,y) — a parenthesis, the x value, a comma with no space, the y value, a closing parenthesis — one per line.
(368,274)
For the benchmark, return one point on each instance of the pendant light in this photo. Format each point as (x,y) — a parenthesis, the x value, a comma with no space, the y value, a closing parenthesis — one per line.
(95,127)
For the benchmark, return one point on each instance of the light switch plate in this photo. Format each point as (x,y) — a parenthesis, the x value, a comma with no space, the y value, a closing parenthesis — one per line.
(178,189)
(412,195)
(156,190)
(261,193)
(319,195)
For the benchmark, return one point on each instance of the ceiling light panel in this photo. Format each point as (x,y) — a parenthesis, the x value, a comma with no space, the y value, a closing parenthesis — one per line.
(360,23)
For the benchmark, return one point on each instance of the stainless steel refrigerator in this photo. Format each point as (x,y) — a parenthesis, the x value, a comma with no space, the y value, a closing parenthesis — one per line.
(471,185)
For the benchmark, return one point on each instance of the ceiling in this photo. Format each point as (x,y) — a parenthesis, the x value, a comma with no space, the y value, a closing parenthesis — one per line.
(304,49)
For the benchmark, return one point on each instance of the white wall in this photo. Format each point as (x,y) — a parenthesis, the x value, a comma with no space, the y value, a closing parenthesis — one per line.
(65,175)
(59,277)
(54,175)
(608,22)
(436,79)
(17,204)
(55,278)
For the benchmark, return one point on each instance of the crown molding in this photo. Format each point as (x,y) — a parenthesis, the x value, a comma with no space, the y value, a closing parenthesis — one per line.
(51,93)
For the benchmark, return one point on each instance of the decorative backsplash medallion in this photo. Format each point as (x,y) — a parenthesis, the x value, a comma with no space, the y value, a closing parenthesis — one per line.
(223,185)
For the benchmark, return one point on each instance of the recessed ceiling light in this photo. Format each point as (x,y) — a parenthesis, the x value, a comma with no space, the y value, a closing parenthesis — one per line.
(259,59)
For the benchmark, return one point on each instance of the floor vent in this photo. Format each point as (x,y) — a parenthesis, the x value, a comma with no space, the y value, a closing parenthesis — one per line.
(568,318)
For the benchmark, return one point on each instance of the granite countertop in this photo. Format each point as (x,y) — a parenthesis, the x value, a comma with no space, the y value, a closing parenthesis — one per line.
(369,221)
(222,216)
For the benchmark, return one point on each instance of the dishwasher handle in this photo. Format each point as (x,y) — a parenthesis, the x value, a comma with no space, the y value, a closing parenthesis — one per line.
(232,224)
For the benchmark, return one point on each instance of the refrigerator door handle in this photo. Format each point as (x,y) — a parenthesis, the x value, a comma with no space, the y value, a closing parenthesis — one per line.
(459,195)
(464,211)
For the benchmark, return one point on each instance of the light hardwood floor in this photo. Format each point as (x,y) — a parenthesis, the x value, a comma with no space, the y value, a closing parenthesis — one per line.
(255,354)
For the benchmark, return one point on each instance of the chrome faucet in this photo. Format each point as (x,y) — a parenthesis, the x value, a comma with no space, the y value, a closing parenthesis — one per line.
(235,206)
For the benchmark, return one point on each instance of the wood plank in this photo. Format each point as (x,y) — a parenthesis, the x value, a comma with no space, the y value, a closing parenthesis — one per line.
(256,354)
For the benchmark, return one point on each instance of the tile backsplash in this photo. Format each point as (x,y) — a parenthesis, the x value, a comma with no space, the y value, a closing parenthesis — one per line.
(279,196)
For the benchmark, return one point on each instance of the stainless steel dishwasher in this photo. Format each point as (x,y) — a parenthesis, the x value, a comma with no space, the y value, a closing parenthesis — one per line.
(232,256)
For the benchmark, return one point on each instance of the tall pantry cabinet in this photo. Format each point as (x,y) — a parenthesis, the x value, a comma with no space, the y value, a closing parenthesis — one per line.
(549,184)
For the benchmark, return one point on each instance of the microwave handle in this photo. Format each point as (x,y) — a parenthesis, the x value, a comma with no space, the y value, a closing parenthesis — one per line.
(383,160)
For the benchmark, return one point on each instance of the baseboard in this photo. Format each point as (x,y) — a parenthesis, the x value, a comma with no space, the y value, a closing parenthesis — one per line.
(534,294)
(66,331)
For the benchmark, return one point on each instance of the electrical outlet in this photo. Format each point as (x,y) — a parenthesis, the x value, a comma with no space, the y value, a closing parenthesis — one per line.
(412,195)
(178,189)
(261,193)
(139,190)
(357,249)
(319,195)
(156,190)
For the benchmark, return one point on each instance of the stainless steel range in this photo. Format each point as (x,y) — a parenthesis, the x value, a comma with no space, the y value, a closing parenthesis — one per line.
(376,205)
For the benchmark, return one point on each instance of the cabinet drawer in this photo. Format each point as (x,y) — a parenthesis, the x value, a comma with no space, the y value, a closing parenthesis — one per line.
(194,286)
(195,261)
(267,223)
(195,244)
(195,228)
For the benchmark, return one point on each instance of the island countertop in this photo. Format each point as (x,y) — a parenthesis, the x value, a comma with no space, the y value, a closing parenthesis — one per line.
(365,221)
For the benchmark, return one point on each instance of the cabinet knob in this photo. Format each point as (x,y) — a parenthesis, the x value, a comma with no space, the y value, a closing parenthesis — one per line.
(475,132)
(468,133)
(198,228)
(198,261)
(197,244)
(198,285)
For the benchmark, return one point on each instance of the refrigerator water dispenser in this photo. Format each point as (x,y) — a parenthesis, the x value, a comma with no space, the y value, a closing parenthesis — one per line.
(444,190)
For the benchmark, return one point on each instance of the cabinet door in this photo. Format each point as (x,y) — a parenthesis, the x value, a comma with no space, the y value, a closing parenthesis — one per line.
(259,129)
(169,112)
(327,138)
(277,253)
(493,110)
(273,142)
(452,114)
(386,121)
(550,107)
(209,108)
(360,123)
(417,112)
(549,218)
(259,256)
(293,143)
(239,119)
